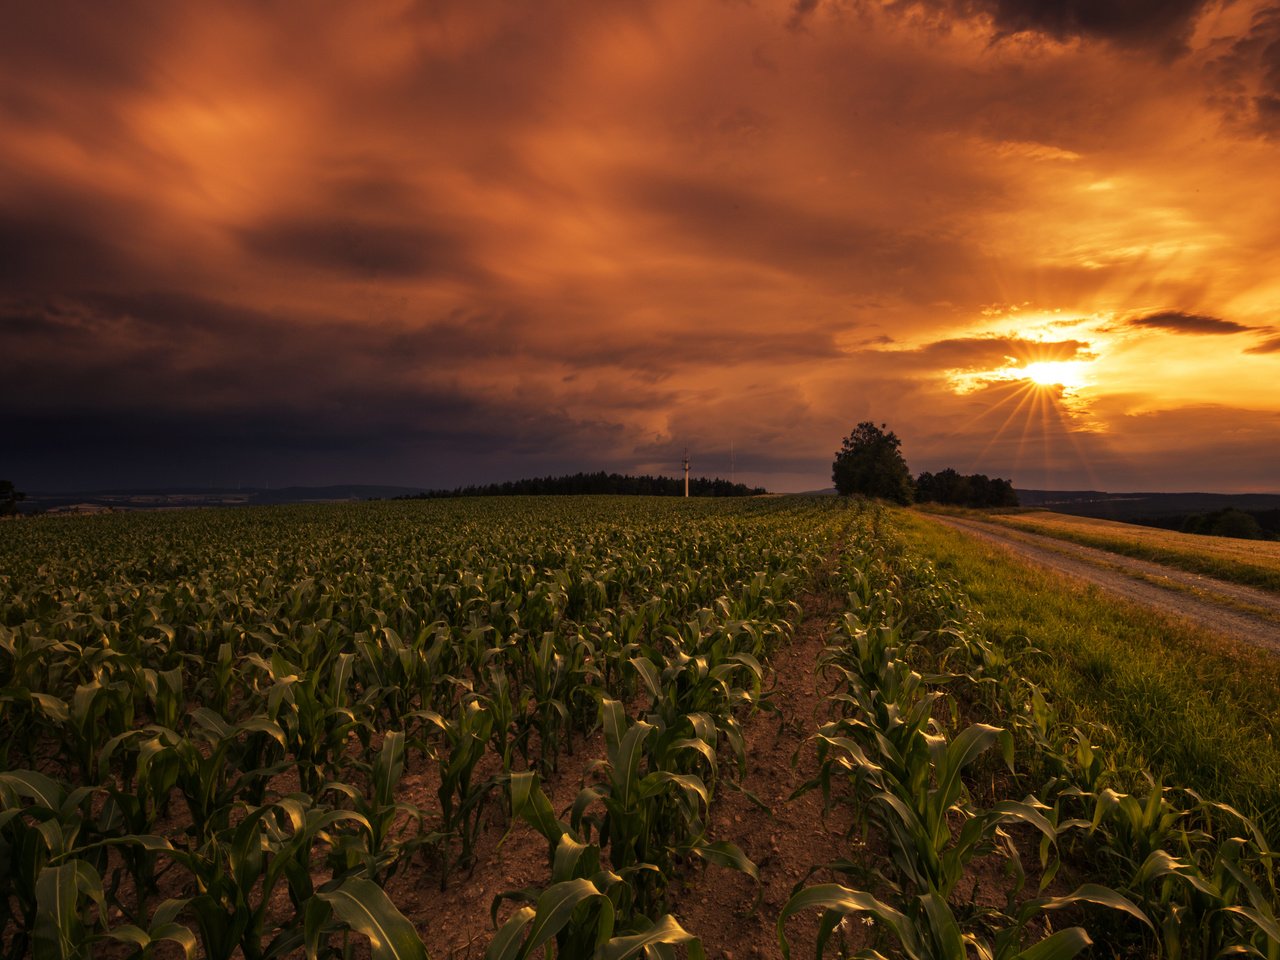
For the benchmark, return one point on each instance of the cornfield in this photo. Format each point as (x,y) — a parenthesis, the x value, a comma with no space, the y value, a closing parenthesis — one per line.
(206,720)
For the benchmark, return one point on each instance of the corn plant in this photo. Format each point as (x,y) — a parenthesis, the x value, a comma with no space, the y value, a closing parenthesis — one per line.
(650,817)
(61,932)
(40,824)
(237,870)
(927,929)
(584,905)
(395,828)
(131,806)
(219,764)
(463,740)
(162,928)
(360,905)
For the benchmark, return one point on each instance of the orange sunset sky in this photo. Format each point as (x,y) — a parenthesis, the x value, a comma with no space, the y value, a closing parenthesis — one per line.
(438,243)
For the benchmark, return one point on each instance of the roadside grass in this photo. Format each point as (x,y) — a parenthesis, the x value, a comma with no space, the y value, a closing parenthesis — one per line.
(1252,563)
(1187,705)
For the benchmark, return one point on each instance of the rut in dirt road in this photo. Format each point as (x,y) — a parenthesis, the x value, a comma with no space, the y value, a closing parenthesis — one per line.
(1210,606)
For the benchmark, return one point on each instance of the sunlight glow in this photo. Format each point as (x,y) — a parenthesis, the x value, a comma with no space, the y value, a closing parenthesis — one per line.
(1049,373)
(1042,375)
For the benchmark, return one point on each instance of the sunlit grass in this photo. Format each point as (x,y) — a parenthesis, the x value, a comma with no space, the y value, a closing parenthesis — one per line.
(1196,710)
(1251,562)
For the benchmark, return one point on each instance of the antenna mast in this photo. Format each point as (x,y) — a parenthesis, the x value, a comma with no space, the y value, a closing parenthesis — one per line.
(686,471)
(731,463)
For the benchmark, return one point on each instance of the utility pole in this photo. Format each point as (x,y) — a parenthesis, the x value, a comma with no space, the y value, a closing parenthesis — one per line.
(686,471)
(731,463)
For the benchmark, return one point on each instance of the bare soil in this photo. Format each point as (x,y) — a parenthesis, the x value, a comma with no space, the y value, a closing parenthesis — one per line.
(724,908)
(789,837)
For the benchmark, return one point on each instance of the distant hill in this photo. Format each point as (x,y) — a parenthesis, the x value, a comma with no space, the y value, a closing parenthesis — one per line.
(1139,507)
(96,501)
(347,491)
(599,483)
(175,498)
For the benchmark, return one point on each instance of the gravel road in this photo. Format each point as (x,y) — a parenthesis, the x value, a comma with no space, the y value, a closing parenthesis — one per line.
(1212,604)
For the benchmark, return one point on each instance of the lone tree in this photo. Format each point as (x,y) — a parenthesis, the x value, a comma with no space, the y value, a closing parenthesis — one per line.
(868,462)
(9,497)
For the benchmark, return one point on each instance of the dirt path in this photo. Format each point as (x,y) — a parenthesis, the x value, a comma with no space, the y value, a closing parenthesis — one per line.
(1241,613)
(792,835)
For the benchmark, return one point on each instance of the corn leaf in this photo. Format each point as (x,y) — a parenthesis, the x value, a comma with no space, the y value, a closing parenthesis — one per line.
(1102,896)
(1062,945)
(362,905)
(665,932)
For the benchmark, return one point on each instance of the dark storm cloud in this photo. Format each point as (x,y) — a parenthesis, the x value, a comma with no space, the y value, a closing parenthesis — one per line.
(439,439)
(800,11)
(362,248)
(731,222)
(1178,322)
(653,351)
(1245,76)
(66,238)
(196,352)
(1138,23)
(388,237)
(39,254)
(982,353)
(97,45)
(1267,346)
(175,387)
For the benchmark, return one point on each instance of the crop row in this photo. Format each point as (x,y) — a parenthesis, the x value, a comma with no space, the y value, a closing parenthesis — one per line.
(207,717)
(208,722)
(912,681)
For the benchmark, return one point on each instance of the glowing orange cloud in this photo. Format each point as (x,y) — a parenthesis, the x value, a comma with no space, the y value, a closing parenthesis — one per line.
(467,242)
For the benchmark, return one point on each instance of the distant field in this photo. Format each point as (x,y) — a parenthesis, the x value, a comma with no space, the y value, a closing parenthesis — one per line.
(256,731)
(1252,562)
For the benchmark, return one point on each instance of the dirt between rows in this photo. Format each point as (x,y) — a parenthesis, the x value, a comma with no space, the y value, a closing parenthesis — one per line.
(1206,602)
(790,841)
(788,837)
(724,908)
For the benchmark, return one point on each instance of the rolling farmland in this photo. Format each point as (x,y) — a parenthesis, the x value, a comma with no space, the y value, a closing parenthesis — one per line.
(1249,562)
(300,730)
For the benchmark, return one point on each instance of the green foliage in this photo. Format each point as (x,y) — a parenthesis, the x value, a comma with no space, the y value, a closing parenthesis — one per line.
(1174,875)
(600,483)
(198,668)
(974,490)
(869,463)
(9,497)
(1199,714)
(259,685)
(1232,523)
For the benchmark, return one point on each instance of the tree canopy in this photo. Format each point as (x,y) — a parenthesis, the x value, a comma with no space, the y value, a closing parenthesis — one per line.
(601,482)
(869,463)
(9,497)
(973,490)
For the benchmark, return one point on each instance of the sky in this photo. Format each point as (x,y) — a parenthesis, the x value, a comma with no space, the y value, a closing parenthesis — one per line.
(451,242)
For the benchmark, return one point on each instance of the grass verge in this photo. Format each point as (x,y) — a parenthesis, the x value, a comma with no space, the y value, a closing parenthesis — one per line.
(1191,707)
(1252,563)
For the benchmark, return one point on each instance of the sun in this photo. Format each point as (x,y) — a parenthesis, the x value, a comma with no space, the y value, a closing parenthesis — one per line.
(1056,373)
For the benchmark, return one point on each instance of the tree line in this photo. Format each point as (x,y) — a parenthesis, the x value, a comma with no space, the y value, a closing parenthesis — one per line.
(9,497)
(1227,522)
(597,483)
(869,462)
(965,490)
